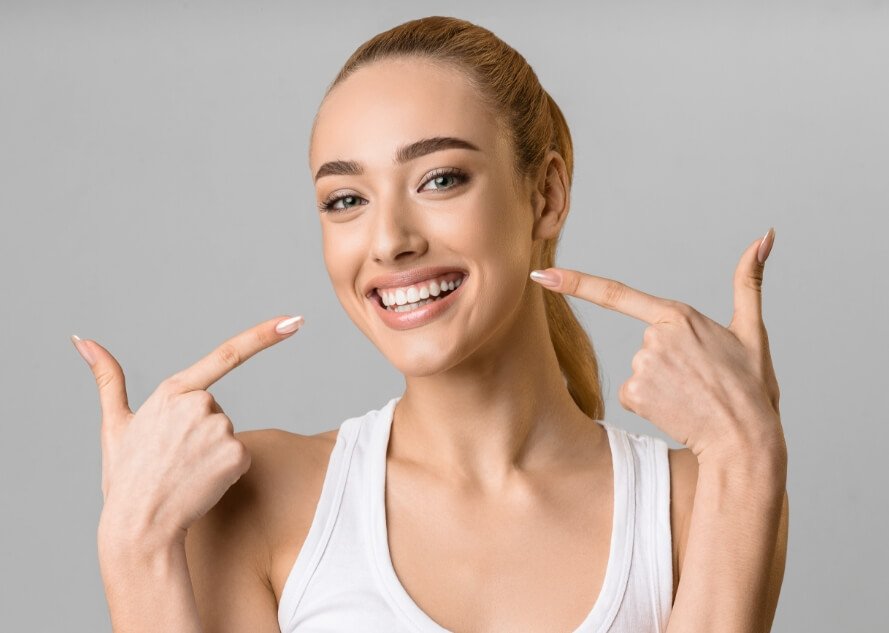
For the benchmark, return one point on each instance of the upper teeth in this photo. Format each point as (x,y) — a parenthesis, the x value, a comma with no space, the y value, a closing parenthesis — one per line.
(412,294)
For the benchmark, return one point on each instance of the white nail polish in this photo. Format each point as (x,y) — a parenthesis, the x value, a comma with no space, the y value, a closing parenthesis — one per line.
(289,325)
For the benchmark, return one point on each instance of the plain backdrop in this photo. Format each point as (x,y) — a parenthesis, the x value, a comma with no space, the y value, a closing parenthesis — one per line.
(155,196)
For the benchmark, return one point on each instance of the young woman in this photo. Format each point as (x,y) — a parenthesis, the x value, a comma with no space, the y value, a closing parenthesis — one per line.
(490,495)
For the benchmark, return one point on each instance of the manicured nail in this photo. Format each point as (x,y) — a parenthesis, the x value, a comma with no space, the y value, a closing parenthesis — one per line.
(289,325)
(546,277)
(82,349)
(765,246)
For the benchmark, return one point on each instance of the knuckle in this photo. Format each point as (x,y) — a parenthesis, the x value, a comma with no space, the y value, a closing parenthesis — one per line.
(103,379)
(203,399)
(640,361)
(572,282)
(753,280)
(223,425)
(263,338)
(229,356)
(632,389)
(239,454)
(650,336)
(682,312)
(627,394)
(613,293)
(171,385)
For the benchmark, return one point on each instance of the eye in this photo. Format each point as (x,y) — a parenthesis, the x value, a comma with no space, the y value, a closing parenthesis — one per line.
(440,177)
(332,204)
(443,176)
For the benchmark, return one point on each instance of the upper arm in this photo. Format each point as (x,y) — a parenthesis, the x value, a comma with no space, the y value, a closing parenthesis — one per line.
(683,481)
(228,553)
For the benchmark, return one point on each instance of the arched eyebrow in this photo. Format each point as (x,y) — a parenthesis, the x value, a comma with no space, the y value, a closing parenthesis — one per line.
(403,155)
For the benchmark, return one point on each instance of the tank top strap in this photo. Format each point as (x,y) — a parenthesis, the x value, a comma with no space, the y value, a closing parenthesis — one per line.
(651,583)
(325,517)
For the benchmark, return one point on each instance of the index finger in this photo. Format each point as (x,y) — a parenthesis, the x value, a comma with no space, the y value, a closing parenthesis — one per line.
(612,294)
(235,351)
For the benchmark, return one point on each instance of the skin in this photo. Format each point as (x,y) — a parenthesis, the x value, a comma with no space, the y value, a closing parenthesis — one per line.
(513,458)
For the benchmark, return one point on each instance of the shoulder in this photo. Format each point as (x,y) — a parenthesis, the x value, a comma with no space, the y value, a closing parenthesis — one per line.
(276,495)
(683,481)
(231,549)
(285,476)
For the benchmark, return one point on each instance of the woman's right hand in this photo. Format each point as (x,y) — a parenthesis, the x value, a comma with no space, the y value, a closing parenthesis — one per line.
(170,462)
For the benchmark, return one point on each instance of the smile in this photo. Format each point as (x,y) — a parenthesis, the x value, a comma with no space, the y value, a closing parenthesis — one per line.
(413,306)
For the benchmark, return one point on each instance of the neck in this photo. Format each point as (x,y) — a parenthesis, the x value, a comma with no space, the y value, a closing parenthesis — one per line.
(504,409)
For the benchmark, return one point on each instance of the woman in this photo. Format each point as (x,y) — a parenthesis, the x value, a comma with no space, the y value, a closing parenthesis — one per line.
(489,496)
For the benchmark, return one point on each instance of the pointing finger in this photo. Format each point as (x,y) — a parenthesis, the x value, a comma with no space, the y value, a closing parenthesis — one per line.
(235,351)
(607,293)
(109,378)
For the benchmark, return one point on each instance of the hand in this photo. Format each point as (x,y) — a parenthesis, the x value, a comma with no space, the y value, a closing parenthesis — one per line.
(709,387)
(169,463)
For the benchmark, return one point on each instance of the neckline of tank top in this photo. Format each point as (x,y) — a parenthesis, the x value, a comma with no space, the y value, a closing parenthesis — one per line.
(617,571)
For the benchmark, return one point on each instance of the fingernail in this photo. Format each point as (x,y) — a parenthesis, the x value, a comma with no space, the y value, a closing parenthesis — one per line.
(289,325)
(82,349)
(546,277)
(765,246)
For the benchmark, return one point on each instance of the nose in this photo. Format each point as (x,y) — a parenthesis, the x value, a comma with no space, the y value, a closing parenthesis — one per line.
(397,233)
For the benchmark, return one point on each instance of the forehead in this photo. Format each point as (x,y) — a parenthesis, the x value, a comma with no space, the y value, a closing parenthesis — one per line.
(398,101)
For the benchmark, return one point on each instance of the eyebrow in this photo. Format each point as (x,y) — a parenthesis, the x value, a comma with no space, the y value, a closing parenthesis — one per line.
(403,155)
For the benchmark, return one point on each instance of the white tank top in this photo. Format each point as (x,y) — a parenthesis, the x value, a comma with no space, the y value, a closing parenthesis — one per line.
(343,578)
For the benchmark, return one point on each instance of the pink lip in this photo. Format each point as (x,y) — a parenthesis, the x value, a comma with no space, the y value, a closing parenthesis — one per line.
(408,277)
(420,316)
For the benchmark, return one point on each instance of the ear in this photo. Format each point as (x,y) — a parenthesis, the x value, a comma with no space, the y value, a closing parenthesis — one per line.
(551,197)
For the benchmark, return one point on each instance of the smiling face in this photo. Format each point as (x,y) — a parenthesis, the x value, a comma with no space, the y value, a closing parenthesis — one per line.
(441,204)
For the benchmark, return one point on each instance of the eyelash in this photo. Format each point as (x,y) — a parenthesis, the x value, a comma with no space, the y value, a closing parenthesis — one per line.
(462,178)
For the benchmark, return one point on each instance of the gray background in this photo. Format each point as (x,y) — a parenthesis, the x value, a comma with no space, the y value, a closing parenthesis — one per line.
(155,196)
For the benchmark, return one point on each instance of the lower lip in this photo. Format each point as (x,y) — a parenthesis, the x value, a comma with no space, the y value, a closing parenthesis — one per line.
(420,316)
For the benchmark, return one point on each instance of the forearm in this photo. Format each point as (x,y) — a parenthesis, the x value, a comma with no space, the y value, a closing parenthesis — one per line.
(148,587)
(731,546)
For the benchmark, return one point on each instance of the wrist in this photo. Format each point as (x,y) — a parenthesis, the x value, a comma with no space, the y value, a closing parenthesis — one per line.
(124,535)
(764,451)
(762,471)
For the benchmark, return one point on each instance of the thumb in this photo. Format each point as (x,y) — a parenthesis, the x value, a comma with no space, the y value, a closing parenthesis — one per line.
(109,378)
(747,318)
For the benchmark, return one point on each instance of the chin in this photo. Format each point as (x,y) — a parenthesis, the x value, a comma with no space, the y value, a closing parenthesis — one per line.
(424,358)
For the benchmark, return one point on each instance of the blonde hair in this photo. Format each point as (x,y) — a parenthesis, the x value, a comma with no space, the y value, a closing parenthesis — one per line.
(535,123)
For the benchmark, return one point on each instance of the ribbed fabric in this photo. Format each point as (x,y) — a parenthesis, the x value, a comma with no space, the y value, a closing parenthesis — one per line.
(343,578)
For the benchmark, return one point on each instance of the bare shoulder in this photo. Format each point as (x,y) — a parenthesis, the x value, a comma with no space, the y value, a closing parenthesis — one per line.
(286,473)
(235,549)
(683,481)
(289,469)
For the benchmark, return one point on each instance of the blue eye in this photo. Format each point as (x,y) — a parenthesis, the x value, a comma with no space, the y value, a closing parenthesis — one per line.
(440,177)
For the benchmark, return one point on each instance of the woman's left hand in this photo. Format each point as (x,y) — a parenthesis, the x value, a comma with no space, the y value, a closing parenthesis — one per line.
(709,387)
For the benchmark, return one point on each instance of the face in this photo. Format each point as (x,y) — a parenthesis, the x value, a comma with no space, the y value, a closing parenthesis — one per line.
(442,212)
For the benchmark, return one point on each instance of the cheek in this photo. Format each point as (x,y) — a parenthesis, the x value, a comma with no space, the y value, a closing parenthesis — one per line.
(342,258)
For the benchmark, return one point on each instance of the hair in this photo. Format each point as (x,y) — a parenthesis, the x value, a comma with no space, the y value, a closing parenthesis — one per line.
(535,124)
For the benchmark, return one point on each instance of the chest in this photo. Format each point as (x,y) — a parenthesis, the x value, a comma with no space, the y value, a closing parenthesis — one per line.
(531,561)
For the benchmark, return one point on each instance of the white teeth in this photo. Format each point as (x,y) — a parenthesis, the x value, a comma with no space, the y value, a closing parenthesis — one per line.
(413,306)
(414,294)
